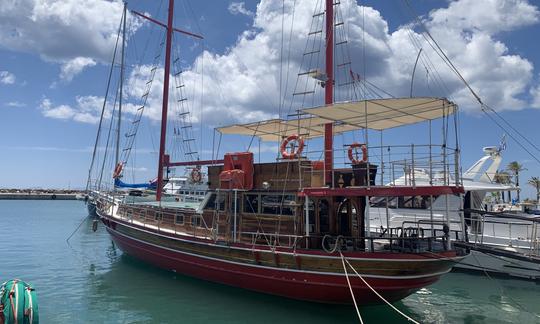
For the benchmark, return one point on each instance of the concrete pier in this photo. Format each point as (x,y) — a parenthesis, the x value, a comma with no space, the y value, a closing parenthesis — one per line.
(40,195)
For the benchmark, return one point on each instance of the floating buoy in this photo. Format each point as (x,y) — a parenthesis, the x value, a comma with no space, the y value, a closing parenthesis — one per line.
(18,303)
(94,225)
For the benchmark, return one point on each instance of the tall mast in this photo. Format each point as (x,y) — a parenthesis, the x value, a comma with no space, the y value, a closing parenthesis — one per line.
(117,158)
(165,104)
(329,92)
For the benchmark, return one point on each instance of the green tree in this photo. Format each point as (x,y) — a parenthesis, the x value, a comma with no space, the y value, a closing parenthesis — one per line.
(503,177)
(535,182)
(515,168)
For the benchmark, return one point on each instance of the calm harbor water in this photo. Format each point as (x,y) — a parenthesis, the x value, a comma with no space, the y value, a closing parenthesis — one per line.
(91,281)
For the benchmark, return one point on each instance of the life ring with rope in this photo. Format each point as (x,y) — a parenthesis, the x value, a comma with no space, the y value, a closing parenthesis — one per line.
(353,153)
(118,170)
(196,175)
(295,152)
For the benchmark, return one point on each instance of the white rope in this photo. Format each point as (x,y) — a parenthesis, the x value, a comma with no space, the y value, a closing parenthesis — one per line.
(374,291)
(350,288)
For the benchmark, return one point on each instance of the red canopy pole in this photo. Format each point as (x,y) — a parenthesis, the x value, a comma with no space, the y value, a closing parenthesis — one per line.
(165,104)
(329,92)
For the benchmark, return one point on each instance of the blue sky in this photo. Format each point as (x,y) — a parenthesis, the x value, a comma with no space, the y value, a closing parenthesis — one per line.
(55,55)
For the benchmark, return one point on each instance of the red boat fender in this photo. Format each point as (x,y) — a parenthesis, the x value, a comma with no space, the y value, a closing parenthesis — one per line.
(294,154)
(352,158)
(118,170)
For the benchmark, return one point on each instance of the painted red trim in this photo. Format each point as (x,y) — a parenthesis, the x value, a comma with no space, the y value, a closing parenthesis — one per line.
(201,162)
(375,191)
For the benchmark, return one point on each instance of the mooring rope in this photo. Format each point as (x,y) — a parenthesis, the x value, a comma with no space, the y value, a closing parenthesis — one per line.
(350,288)
(343,260)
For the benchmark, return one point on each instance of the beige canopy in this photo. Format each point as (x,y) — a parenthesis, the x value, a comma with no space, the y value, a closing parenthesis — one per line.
(379,114)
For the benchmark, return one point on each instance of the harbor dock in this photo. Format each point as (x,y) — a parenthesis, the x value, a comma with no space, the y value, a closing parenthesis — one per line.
(41,194)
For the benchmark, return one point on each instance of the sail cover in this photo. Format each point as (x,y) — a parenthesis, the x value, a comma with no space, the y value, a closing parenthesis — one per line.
(378,114)
(146,185)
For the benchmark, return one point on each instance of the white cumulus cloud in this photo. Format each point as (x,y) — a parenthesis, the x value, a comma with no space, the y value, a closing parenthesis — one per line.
(74,67)
(243,83)
(7,77)
(239,8)
(87,110)
(69,32)
(15,104)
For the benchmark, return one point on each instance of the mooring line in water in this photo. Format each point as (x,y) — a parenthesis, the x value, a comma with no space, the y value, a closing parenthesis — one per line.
(501,290)
(372,289)
(350,288)
(75,231)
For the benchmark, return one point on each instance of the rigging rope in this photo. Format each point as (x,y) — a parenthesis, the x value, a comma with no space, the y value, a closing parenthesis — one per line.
(103,108)
(438,50)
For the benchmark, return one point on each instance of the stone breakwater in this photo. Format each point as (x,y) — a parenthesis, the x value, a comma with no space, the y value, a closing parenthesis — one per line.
(42,194)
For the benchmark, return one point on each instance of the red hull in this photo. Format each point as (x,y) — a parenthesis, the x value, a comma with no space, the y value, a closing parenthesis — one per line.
(326,288)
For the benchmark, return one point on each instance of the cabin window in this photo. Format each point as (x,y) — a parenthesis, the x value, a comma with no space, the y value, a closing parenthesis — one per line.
(179,219)
(216,202)
(354,218)
(412,202)
(324,216)
(278,204)
(158,216)
(311,215)
(251,204)
(196,221)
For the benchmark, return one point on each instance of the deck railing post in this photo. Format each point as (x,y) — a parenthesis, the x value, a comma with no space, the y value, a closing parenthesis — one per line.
(413,179)
(393,174)
(510,232)
(235,214)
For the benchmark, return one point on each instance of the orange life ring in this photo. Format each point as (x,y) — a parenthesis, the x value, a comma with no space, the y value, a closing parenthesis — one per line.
(295,153)
(118,170)
(196,175)
(352,157)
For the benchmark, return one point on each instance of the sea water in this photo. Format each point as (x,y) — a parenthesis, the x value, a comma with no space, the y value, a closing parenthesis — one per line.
(88,280)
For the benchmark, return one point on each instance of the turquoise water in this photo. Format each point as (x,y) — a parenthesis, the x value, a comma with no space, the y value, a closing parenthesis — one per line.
(90,281)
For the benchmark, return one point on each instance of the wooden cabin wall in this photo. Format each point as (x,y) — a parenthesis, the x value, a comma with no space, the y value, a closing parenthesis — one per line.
(284,175)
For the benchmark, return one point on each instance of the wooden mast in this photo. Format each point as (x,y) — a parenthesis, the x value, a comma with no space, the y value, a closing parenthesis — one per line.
(162,161)
(329,93)
(165,104)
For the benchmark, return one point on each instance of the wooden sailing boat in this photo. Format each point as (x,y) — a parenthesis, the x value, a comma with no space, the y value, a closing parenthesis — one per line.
(286,227)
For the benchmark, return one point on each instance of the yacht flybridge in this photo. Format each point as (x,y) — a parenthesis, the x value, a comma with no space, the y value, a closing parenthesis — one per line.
(297,226)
